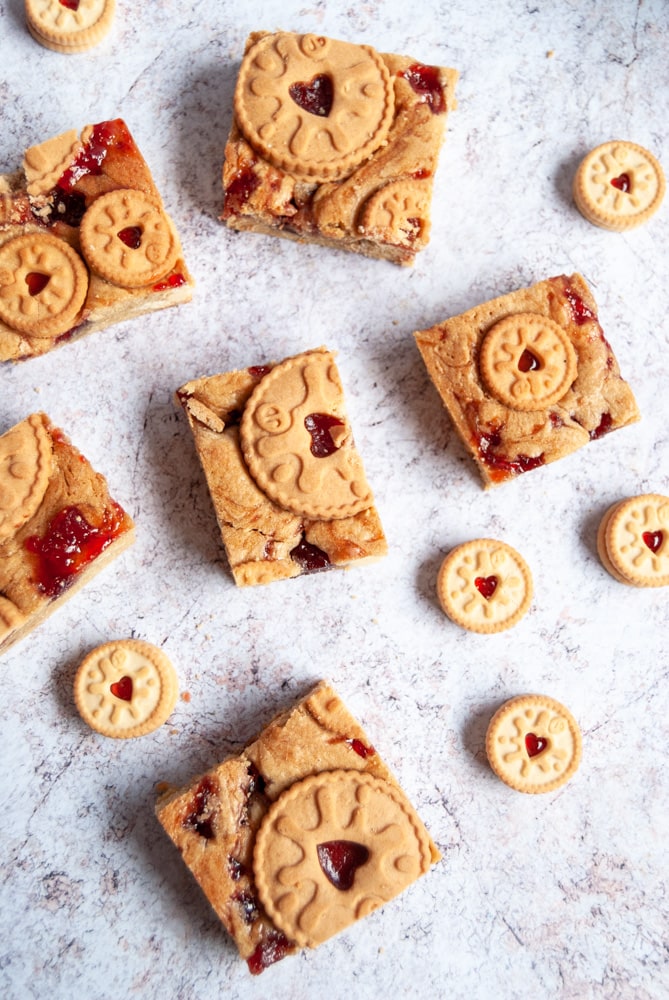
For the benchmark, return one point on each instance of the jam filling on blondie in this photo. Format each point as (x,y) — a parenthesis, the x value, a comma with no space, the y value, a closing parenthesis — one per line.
(240,190)
(339,861)
(501,467)
(424,80)
(270,950)
(200,815)
(69,544)
(104,136)
(309,557)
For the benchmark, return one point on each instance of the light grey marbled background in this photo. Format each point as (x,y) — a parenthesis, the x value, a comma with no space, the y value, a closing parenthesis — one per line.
(560,895)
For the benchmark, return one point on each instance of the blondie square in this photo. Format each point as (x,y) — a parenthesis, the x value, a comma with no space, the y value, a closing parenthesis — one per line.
(336,144)
(299,835)
(85,241)
(285,478)
(529,377)
(58,525)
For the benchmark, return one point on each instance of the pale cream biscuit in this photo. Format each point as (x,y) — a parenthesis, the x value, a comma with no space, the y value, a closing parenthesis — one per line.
(618,185)
(485,585)
(400,210)
(332,849)
(69,26)
(298,443)
(43,285)
(26,452)
(125,688)
(313,106)
(127,238)
(634,539)
(533,744)
(527,361)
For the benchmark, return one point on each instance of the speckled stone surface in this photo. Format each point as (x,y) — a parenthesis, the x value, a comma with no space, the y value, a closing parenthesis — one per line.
(560,895)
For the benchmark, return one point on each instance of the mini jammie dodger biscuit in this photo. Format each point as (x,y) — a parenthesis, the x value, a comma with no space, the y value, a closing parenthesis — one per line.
(69,26)
(125,688)
(633,540)
(618,185)
(533,744)
(484,586)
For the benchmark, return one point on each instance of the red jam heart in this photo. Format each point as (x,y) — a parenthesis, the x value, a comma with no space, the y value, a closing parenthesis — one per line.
(70,4)
(486,586)
(623,182)
(122,689)
(36,282)
(535,744)
(340,859)
(319,426)
(315,97)
(653,539)
(528,362)
(131,236)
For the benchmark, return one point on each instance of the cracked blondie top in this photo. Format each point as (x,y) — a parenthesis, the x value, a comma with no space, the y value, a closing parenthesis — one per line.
(529,377)
(335,144)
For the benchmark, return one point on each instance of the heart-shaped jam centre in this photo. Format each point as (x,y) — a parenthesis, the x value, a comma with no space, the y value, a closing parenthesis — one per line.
(535,744)
(622,182)
(122,688)
(131,236)
(486,586)
(320,426)
(653,539)
(36,282)
(340,860)
(528,362)
(315,96)
(70,4)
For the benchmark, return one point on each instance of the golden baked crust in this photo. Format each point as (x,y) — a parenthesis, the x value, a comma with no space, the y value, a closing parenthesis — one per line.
(379,205)
(264,539)
(214,820)
(45,205)
(505,441)
(50,492)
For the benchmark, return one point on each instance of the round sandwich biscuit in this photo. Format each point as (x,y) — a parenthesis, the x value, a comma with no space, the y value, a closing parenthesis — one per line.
(484,585)
(633,540)
(69,26)
(618,185)
(125,688)
(533,744)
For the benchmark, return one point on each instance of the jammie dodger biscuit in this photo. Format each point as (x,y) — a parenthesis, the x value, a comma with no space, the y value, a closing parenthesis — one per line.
(533,744)
(619,185)
(484,585)
(633,540)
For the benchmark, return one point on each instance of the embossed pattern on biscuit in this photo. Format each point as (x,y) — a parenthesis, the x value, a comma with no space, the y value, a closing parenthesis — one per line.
(332,849)
(636,540)
(26,452)
(43,285)
(74,25)
(125,688)
(398,212)
(313,106)
(533,744)
(484,585)
(128,239)
(46,163)
(527,361)
(619,185)
(297,441)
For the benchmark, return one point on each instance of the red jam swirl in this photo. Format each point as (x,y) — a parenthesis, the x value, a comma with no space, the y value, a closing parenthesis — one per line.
(105,136)
(173,281)
(71,543)
(425,81)
(603,427)
(309,557)
(579,311)
(500,467)
(239,190)
(201,813)
(360,748)
(272,949)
